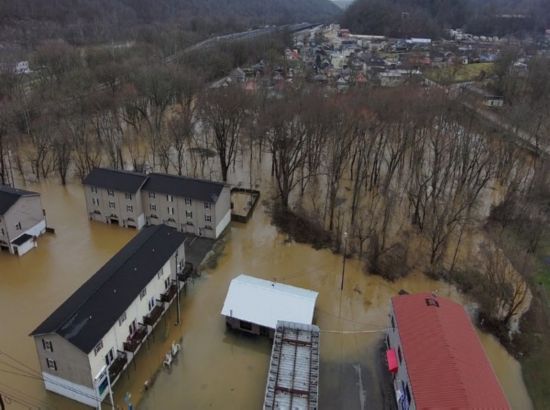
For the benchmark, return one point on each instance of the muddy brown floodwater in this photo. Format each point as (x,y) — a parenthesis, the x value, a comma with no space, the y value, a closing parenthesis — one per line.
(217,369)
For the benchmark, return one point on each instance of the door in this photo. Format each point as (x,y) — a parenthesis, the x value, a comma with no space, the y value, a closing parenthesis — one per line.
(132,327)
(109,357)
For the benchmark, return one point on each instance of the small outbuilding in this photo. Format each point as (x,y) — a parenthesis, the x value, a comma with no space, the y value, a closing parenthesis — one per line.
(255,305)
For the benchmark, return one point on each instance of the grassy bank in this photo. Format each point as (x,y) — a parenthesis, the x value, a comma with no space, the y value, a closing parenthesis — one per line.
(460,74)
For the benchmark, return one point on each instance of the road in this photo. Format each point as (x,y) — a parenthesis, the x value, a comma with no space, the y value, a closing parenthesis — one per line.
(243,35)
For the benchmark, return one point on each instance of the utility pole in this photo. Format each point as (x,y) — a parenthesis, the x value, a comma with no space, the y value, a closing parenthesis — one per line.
(344,260)
(177,291)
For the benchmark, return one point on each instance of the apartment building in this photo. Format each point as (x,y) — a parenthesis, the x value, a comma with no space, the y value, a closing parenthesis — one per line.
(190,205)
(22,219)
(86,343)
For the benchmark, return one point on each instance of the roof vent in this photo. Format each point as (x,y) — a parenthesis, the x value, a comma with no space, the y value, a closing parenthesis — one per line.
(432,302)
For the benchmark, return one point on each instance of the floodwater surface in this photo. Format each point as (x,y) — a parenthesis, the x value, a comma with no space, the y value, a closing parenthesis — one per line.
(217,368)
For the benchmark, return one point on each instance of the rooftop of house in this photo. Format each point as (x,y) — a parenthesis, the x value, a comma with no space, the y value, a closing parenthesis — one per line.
(117,180)
(264,302)
(9,196)
(445,361)
(88,314)
(199,189)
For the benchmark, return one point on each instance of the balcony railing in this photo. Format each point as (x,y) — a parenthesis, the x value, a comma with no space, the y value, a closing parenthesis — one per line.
(117,365)
(134,340)
(169,294)
(153,315)
(186,272)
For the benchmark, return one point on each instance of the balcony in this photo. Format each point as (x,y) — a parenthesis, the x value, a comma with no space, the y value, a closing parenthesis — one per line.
(186,272)
(153,315)
(134,340)
(117,365)
(169,294)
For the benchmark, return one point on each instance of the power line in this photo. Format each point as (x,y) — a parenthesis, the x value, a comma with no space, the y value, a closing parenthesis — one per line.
(19,400)
(27,397)
(18,362)
(34,375)
(354,331)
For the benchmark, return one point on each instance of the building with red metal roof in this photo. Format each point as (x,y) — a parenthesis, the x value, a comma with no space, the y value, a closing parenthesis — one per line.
(436,358)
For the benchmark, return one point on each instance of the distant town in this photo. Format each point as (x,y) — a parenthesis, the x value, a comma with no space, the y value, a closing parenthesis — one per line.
(285,215)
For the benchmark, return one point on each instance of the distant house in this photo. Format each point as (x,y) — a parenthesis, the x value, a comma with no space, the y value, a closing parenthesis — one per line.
(486,98)
(22,219)
(19,67)
(238,75)
(85,344)
(134,200)
(256,305)
(436,358)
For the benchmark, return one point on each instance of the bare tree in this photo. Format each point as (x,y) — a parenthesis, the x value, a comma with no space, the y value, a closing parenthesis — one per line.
(224,111)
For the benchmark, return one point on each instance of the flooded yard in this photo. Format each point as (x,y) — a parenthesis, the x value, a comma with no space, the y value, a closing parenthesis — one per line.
(217,369)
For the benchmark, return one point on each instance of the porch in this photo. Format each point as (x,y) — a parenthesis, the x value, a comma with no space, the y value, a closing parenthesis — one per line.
(134,340)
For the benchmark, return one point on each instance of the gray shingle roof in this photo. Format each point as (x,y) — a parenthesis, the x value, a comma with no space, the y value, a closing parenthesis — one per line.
(122,181)
(199,189)
(85,317)
(9,196)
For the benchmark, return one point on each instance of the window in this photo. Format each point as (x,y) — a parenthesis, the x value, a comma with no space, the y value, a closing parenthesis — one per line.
(121,319)
(129,208)
(110,192)
(109,357)
(399,354)
(47,345)
(169,198)
(143,293)
(170,210)
(98,347)
(153,207)
(189,214)
(132,327)
(93,189)
(187,201)
(167,283)
(151,194)
(207,218)
(51,364)
(18,226)
(151,303)
(95,201)
(128,196)
(112,204)
(207,205)
(245,325)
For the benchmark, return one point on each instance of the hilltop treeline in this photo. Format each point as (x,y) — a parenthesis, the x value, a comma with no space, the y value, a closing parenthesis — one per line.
(402,18)
(83,21)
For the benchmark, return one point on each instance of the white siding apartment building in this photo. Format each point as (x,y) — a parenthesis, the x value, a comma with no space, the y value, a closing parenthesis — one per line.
(86,343)
(131,199)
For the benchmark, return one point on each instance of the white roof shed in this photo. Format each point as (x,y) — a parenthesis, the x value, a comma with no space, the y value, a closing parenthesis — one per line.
(264,303)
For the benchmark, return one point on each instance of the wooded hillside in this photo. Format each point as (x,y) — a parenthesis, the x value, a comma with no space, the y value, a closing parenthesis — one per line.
(82,21)
(401,18)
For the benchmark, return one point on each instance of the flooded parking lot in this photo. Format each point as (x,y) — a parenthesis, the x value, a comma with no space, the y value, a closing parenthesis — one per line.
(217,368)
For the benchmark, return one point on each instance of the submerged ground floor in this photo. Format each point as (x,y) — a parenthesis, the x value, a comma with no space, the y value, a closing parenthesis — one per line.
(217,368)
